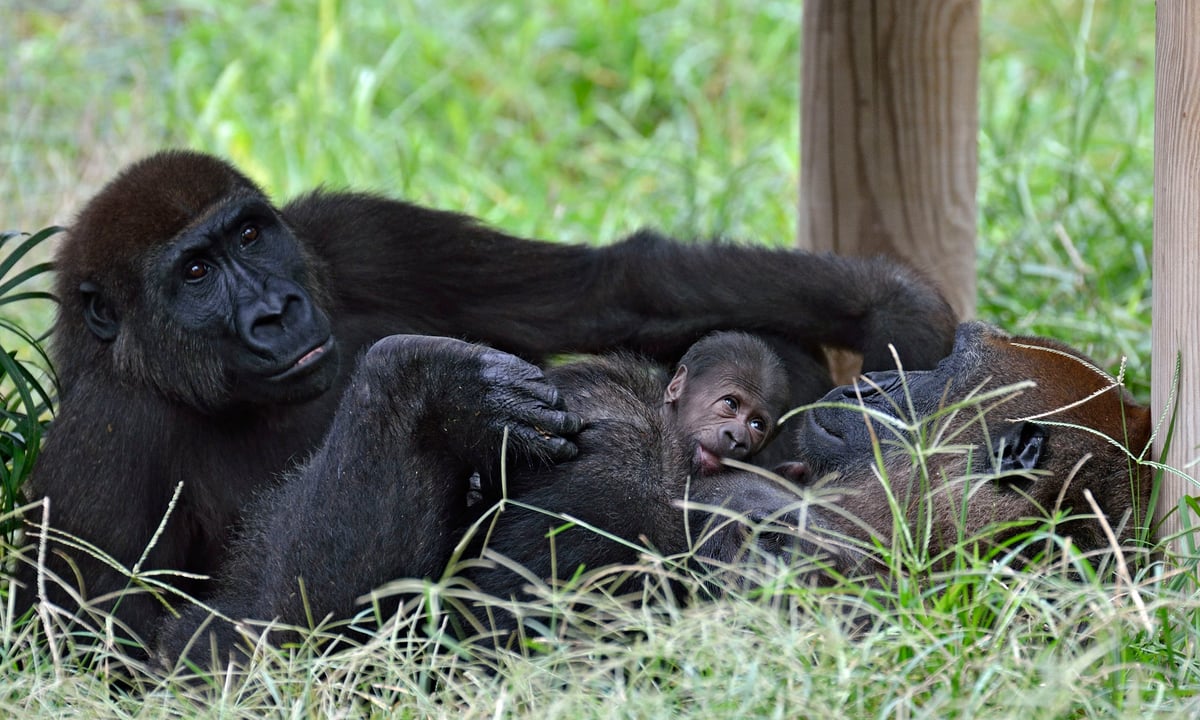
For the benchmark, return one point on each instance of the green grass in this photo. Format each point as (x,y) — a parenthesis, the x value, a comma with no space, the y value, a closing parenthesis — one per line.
(1066,175)
(26,384)
(581,122)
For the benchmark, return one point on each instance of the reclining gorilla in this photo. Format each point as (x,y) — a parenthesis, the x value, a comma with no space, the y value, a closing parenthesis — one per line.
(407,439)
(1070,438)
(205,337)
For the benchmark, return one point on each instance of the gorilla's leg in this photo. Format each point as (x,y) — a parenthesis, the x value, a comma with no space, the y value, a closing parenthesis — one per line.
(385,494)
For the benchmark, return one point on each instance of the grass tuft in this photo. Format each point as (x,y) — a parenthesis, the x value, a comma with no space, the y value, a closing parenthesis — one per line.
(27,383)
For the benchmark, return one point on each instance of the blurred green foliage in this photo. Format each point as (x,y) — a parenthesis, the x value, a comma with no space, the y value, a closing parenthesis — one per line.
(583,121)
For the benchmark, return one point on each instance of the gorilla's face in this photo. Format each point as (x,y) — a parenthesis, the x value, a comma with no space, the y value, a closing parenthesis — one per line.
(721,413)
(232,290)
(1004,428)
(214,306)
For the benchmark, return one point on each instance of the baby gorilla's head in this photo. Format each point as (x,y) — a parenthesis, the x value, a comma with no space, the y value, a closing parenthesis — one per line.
(725,397)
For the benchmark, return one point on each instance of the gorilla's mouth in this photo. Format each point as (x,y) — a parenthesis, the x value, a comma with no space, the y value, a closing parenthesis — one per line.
(320,349)
(706,461)
(307,362)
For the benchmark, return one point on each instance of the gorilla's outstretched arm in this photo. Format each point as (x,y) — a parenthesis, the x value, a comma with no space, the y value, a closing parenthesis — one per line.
(647,293)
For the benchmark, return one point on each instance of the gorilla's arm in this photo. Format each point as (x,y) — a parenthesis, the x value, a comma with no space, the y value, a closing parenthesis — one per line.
(103,415)
(442,273)
(384,497)
(624,482)
(667,290)
(97,464)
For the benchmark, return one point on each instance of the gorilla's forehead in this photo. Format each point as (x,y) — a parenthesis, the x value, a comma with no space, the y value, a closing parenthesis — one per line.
(732,378)
(1067,385)
(150,203)
(1047,362)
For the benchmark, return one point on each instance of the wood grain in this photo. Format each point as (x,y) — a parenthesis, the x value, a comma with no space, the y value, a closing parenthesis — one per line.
(889,126)
(1176,296)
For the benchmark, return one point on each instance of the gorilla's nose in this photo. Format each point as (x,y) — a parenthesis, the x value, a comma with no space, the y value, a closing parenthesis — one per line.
(735,439)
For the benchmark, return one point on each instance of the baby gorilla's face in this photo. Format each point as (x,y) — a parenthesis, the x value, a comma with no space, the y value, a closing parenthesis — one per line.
(721,415)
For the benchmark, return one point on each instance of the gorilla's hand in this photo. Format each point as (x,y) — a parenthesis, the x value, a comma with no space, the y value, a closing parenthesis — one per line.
(463,397)
(517,396)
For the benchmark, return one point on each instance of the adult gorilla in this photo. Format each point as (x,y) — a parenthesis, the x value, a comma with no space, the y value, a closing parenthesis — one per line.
(1024,427)
(205,337)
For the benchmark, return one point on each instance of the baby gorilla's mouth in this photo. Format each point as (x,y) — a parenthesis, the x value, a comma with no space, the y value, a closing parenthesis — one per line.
(705,461)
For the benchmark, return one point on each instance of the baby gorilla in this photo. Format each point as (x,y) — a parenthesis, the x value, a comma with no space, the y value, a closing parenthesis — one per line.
(727,393)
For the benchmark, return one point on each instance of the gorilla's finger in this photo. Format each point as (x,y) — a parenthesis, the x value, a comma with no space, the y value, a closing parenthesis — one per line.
(554,422)
(502,369)
(535,442)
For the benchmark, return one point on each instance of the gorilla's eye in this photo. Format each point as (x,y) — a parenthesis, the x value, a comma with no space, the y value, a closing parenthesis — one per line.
(196,270)
(249,235)
(758,424)
(730,402)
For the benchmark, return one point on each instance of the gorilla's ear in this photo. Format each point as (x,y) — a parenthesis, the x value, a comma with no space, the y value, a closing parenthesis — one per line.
(97,314)
(675,387)
(1020,447)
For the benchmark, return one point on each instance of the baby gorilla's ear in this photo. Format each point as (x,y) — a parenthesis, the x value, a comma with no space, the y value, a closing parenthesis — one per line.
(1020,447)
(675,388)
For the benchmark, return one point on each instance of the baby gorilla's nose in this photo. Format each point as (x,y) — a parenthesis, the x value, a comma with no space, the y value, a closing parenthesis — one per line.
(735,441)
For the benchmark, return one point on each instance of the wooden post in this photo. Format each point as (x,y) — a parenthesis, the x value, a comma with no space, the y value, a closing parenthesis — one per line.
(1176,301)
(889,130)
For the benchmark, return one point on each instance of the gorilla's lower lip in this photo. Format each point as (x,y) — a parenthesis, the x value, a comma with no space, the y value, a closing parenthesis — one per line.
(707,462)
(310,355)
(306,362)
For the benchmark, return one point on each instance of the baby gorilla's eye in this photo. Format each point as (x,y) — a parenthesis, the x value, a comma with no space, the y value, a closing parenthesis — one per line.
(249,235)
(730,402)
(758,424)
(196,270)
